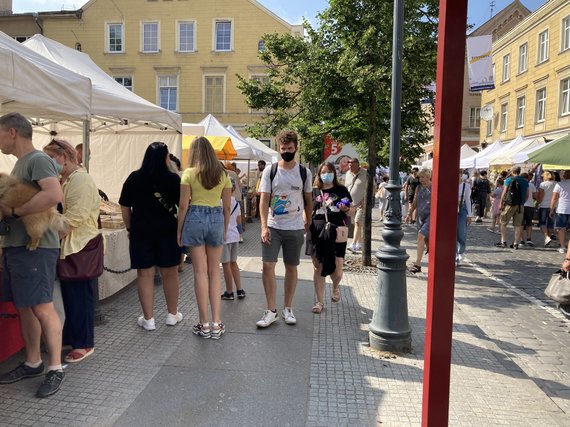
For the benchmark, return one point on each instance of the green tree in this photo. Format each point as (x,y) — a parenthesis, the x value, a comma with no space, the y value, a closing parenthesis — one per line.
(337,81)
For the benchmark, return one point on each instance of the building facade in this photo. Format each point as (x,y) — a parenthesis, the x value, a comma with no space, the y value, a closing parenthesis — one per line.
(532,78)
(183,55)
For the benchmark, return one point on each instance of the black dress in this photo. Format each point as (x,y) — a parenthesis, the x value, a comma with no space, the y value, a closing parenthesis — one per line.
(323,246)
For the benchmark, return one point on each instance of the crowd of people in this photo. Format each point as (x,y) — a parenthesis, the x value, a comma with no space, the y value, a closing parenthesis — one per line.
(199,211)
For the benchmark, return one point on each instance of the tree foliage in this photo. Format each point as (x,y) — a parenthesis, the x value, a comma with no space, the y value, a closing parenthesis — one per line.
(337,80)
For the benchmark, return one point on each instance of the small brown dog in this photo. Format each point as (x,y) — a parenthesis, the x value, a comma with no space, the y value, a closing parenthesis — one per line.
(15,193)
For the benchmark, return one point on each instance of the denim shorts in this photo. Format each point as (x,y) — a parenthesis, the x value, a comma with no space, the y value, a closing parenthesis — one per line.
(562,221)
(203,226)
(544,218)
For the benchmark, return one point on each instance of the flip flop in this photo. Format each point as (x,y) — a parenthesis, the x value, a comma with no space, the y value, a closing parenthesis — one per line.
(78,355)
(318,308)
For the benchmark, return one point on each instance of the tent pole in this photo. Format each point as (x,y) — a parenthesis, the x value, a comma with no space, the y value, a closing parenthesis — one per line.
(86,127)
(247,200)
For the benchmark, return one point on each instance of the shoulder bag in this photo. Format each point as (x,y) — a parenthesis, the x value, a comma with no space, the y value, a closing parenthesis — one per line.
(86,264)
(558,288)
(341,230)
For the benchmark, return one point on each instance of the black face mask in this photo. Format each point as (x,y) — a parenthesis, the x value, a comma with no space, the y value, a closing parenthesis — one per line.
(287,156)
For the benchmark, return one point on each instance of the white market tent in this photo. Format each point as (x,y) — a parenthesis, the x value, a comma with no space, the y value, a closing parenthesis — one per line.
(268,154)
(507,156)
(122,124)
(522,156)
(34,86)
(465,152)
(481,159)
(213,127)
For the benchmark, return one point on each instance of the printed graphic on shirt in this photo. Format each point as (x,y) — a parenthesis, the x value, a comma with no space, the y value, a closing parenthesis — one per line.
(280,204)
(329,200)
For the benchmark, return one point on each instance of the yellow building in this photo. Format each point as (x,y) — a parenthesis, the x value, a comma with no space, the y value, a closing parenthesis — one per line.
(532,77)
(181,54)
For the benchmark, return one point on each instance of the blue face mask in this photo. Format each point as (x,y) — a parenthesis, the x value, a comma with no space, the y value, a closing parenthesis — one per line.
(58,167)
(327,178)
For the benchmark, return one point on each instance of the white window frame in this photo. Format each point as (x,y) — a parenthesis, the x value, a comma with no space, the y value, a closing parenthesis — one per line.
(543,47)
(474,117)
(565,34)
(108,37)
(258,77)
(123,77)
(490,127)
(523,58)
(204,78)
(521,112)
(178,35)
(540,113)
(215,34)
(158,85)
(143,34)
(565,96)
(506,67)
(504,118)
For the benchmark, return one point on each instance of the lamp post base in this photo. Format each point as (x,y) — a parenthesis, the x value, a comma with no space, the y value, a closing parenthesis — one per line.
(401,343)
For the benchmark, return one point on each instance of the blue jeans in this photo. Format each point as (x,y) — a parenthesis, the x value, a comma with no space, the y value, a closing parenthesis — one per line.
(203,225)
(461,230)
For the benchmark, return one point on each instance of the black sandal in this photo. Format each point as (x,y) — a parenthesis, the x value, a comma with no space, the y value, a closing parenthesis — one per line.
(414,268)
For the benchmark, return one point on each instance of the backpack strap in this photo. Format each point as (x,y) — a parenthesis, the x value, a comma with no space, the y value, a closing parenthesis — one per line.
(234,209)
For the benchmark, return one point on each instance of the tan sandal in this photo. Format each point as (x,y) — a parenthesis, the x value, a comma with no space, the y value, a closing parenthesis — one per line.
(318,308)
(335,297)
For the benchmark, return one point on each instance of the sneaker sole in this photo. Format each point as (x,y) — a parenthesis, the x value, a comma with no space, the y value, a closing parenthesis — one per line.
(265,326)
(51,393)
(217,336)
(22,378)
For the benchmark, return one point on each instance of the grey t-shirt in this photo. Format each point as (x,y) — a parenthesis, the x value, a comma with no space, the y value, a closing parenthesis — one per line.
(31,168)
(356,185)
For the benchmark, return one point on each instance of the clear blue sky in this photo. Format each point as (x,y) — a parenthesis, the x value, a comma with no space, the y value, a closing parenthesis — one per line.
(290,10)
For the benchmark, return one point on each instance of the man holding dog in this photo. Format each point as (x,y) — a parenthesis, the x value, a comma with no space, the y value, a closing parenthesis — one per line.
(29,276)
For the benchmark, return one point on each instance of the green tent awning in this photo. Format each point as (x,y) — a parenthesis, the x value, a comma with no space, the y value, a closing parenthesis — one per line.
(554,155)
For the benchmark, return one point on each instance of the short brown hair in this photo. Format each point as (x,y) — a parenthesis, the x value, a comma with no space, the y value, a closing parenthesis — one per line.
(286,137)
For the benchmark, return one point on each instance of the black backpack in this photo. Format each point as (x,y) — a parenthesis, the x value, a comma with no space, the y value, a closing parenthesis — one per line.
(513,197)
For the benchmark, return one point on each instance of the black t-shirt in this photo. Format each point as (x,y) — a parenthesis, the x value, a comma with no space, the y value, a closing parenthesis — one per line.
(149,214)
(330,197)
(412,184)
(482,186)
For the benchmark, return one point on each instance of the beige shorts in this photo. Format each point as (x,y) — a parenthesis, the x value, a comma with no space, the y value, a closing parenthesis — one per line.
(514,212)
(359,216)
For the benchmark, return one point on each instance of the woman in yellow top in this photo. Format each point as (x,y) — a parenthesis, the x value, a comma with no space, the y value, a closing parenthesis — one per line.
(80,211)
(202,227)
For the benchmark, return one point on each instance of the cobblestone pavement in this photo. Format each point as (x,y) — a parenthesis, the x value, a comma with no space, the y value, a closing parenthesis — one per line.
(510,361)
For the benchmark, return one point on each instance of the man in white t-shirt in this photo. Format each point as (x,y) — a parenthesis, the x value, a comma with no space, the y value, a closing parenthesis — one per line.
(529,210)
(283,201)
(561,194)
(356,181)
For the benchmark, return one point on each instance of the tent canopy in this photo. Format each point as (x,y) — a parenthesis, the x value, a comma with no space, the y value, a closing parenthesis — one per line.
(222,146)
(507,156)
(554,155)
(481,159)
(36,87)
(110,100)
(266,153)
(466,151)
(216,132)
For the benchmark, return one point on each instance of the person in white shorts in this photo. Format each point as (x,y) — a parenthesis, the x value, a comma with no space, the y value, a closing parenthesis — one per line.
(230,252)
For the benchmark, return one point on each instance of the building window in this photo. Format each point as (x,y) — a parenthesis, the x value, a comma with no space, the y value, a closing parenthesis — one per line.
(115,42)
(506,67)
(263,80)
(150,42)
(504,117)
(168,92)
(543,46)
(260,46)
(523,58)
(474,117)
(126,81)
(223,36)
(186,36)
(490,127)
(521,110)
(566,33)
(540,105)
(565,96)
(214,94)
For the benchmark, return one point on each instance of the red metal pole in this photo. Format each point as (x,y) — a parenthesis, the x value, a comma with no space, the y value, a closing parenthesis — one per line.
(443,233)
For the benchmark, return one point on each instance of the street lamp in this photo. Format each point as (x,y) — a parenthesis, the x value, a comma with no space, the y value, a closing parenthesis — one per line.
(390,329)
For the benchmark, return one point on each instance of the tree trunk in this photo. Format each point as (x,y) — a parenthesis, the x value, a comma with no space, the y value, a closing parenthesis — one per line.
(372,136)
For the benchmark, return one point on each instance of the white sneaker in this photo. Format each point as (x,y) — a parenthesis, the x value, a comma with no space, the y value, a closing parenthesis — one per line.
(146,324)
(173,319)
(458,259)
(562,250)
(547,241)
(267,319)
(289,317)
(357,247)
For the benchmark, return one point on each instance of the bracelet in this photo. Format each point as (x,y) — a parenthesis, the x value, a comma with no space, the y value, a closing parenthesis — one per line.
(14,213)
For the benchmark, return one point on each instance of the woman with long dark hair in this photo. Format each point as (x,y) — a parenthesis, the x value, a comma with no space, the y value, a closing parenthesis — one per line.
(149,206)
(202,227)
(334,200)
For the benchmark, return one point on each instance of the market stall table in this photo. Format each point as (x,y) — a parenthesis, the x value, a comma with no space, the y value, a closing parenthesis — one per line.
(117,262)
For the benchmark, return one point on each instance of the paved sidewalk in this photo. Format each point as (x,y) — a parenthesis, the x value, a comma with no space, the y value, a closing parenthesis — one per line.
(510,355)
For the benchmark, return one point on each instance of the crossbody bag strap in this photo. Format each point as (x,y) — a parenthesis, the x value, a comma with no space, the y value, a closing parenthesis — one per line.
(324,206)
(462,196)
